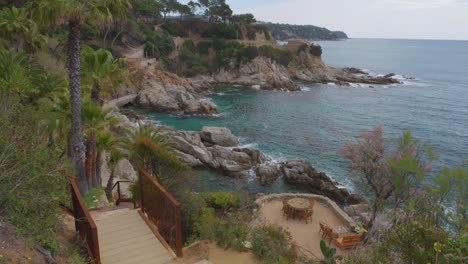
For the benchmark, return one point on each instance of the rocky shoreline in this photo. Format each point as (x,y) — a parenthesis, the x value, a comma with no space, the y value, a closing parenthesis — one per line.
(162,91)
(216,148)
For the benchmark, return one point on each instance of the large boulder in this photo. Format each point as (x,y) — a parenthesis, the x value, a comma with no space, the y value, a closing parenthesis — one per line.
(267,174)
(299,171)
(233,162)
(219,136)
(166,92)
(125,170)
(190,143)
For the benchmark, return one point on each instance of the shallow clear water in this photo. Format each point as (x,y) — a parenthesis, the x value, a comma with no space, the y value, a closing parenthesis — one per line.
(314,123)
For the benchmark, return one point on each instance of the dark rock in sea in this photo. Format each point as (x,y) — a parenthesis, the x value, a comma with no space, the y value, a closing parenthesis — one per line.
(389,75)
(354,71)
(299,171)
(267,174)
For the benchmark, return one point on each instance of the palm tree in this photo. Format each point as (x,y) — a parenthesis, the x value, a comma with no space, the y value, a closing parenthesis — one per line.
(115,156)
(105,141)
(95,120)
(18,78)
(74,13)
(101,70)
(19,29)
(149,148)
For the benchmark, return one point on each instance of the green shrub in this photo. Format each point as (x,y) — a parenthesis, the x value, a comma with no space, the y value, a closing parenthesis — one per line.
(159,45)
(175,29)
(31,185)
(282,57)
(272,244)
(204,47)
(228,233)
(253,29)
(221,30)
(315,50)
(221,200)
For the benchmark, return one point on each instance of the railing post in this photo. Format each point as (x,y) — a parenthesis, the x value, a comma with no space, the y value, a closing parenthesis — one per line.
(178,234)
(140,183)
(118,193)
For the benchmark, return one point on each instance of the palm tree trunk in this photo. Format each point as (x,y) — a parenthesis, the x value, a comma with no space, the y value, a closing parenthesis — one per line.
(96,93)
(110,184)
(115,38)
(77,147)
(94,179)
(89,161)
(98,168)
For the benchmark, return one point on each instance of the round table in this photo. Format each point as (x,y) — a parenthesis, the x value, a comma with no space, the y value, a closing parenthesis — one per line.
(299,204)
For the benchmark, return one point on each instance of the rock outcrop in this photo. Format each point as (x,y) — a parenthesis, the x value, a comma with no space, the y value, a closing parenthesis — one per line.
(166,92)
(218,136)
(262,73)
(267,173)
(299,171)
(213,148)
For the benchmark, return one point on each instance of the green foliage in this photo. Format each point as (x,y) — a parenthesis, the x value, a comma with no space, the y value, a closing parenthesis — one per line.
(158,44)
(203,47)
(175,29)
(272,244)
(21,32)
(286,31)
(222,200)
(245,19)
(228,233)
(221,30)
(315,50)
(19,75)
(253,29)
(328,252)
(149,148)
(282,57)
(31,185)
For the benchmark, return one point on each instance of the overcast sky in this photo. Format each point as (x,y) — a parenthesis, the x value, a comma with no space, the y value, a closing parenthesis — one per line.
(414,19)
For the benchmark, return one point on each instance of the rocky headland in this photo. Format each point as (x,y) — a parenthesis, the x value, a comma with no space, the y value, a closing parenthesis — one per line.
(162,91)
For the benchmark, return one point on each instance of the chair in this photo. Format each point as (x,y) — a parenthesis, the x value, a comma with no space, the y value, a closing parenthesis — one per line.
(348,242)
(307,214)
(286,209)
(312,202)
(327,232)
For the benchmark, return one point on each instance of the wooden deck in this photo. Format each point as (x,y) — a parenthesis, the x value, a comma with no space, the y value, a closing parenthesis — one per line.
(125,238)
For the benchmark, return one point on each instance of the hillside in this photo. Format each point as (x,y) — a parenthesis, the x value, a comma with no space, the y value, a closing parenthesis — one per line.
(287,31)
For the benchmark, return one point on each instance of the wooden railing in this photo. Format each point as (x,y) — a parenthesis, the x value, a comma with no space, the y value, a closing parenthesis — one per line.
(121,198)
(84,224)
(162,210)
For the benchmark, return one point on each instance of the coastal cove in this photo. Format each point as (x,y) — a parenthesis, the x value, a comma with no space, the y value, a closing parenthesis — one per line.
(315,122)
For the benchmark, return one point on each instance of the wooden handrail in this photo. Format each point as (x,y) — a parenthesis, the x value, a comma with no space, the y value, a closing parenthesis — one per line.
(120,199)
(84,223)
(162,209)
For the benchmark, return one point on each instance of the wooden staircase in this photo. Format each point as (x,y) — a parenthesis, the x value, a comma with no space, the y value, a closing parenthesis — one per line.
(125,238)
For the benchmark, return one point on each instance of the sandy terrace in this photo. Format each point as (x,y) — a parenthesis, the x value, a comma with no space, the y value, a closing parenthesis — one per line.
(304,235)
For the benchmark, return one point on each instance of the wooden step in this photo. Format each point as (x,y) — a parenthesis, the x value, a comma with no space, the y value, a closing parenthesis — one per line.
(125,238)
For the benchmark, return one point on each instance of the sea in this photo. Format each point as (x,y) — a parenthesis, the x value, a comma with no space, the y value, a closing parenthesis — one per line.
(312,124)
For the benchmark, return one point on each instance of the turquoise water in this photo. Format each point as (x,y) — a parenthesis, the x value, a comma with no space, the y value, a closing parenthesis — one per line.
(314,123)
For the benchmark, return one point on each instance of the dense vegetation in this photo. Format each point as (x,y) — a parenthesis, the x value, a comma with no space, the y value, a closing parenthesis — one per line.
(195,59)
(309,32)
(51,120)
